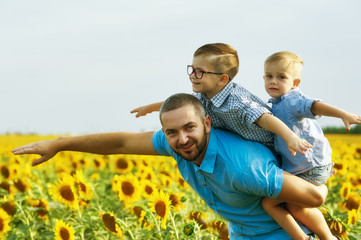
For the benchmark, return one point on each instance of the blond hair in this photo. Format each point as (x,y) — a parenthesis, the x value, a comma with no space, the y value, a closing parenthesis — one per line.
(226,57)
(289,58)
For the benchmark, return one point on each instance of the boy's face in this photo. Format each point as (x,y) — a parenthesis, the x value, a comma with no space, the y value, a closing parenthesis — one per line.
(279,79)
(209,83)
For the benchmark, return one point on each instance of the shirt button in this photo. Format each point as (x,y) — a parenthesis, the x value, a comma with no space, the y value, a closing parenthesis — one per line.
(204,184)
(211,203)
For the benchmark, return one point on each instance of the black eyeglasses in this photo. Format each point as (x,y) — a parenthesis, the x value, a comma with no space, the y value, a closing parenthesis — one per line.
(198,73)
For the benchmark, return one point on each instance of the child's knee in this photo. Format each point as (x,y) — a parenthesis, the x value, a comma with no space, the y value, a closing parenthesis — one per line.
(268,203)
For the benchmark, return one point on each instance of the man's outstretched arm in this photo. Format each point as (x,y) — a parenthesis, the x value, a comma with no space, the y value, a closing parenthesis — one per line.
(100,143)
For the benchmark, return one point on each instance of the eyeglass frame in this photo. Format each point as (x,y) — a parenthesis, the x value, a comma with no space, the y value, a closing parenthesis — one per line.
(202,72)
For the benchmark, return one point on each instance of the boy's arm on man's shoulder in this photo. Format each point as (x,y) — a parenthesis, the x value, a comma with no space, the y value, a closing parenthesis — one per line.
(323,109)
(144,110)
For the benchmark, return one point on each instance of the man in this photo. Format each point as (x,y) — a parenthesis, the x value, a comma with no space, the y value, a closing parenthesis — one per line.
(230,174)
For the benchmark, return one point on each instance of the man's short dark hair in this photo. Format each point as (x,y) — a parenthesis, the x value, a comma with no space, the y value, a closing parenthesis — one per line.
(179,100)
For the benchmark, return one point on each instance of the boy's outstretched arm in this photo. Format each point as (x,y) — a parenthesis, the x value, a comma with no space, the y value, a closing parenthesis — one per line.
(324,109)
(273,124)
(144,110)
(100,143)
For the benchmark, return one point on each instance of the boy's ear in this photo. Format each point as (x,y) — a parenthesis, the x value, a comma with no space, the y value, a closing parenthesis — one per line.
(296,82)
(224,79)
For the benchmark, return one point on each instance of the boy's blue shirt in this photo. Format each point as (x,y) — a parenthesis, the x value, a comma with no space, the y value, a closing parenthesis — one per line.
(294,109)
(235,109)
(233,178)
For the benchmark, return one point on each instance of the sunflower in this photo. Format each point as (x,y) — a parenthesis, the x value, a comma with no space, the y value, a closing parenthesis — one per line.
(64,192)
(148,188)
(160,204)
(5,171)
(176,201)
(352,217)
(22,184)
(127,188)
(353,201)
(338,228)
(9,207)
(122,164)
(109,221)
(84,190)
(41,204)
(140,213)
(345,190)
(63,231)
(4,223)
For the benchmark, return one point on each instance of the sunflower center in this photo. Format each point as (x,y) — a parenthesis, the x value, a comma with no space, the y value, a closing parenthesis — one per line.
(352,203)
(122,163)
(148,189)
(109,222)
(64,234)
(19,184)
(97,163)
(67,193)
(82,187)
(1,225)
(127,188)
(174,199)
(9,208)
(5,171)
(160,208)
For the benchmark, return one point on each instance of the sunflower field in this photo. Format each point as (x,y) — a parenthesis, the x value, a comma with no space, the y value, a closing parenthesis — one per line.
(86,196)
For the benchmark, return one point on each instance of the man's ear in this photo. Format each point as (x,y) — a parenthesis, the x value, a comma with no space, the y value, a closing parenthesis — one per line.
(296,82)
(207,123)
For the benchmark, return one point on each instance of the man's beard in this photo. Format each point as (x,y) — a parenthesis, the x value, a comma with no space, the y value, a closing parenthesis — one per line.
(200,148)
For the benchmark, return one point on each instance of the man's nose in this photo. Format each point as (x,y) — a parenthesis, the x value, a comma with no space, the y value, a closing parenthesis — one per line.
(183,138)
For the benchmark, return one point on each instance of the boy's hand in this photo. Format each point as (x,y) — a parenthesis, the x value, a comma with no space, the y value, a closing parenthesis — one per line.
(141,111)
(349,119)
(46,149)
(297,145)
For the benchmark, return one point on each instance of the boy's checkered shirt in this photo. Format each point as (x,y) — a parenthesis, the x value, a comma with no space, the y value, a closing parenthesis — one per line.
(236,109)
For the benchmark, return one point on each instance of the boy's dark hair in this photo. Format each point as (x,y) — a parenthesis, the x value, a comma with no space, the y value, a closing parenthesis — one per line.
(179,100)
(226,60)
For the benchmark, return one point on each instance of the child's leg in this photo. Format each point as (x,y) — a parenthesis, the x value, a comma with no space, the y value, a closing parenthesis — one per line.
(283,217)
(313,219)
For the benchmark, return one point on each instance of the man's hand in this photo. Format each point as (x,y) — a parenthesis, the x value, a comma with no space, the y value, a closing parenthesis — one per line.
(46,149)
(297,145)
(349,119)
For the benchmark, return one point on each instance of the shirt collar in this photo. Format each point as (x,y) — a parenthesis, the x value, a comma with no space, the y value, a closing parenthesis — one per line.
(220,97)
(210,157)
(280,98)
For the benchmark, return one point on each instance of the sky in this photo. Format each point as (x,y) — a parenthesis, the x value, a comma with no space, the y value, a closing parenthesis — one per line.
(76,67)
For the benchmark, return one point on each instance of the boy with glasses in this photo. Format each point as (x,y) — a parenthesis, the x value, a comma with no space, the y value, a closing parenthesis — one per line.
(231,106)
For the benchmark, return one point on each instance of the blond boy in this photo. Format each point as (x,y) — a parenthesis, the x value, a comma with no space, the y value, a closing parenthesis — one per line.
(231,106)
(282,73)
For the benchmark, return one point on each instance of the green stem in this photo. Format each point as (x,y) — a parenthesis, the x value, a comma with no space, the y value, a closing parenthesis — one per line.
(174,227)
(127,228)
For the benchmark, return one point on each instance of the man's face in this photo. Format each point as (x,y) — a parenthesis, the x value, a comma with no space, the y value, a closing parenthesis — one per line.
(186,133)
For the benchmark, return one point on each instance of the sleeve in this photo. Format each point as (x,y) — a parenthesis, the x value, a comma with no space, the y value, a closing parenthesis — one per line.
(302,107)
(249,110)
(160,144)
(263,178)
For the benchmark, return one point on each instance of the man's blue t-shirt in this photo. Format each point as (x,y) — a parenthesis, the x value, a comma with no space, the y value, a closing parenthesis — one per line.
(233,178)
